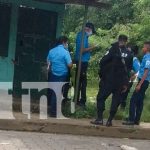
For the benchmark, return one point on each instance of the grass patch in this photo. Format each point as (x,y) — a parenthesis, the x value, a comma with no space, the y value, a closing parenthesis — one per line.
(90,111)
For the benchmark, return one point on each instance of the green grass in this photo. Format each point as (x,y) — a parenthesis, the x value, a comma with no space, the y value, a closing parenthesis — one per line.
(90,112)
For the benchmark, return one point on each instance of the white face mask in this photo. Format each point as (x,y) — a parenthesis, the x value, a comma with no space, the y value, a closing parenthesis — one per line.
(66,46)
(89,33)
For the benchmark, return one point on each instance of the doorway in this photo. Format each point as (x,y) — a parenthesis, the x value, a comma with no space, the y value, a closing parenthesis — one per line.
(35,34)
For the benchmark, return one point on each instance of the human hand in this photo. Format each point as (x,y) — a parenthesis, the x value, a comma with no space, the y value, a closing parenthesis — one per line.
(97,45)
(14,61)
(48,67)
(138,87)
(133,77)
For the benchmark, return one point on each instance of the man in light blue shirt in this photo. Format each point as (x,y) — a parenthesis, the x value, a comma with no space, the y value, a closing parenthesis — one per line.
(137,100)
(86,54)
(59,62)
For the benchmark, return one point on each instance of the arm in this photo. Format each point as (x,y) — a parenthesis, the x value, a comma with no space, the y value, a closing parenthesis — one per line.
(48,62)
(136,67)
(146,71)
(104,61)
(106,58)
(70,65)
(68,60)
(48,65)
(133,76)
(88,49)
(138,87)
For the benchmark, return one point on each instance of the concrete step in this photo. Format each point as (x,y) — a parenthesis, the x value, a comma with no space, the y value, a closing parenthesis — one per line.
(74,127)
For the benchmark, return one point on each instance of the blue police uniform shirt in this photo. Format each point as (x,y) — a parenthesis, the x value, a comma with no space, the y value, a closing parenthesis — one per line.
(85,55)
(136,65)
(59,59)
(145,65)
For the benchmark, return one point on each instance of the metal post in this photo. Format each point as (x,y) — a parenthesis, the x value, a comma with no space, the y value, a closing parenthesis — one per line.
(80,56)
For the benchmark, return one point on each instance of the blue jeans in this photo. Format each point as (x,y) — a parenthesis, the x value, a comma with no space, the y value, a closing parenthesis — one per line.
(52,103)
(136,103)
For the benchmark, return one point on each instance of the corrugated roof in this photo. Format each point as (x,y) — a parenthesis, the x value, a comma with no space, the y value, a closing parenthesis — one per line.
(94,3)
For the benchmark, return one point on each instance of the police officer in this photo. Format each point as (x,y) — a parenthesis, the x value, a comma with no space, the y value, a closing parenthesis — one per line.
(114,70)
(137,99)
(86,53)
(134,73)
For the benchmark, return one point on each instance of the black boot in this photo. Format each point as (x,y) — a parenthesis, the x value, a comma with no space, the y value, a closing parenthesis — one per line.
(128,122)
(108,123)
(137,123)
(97,122)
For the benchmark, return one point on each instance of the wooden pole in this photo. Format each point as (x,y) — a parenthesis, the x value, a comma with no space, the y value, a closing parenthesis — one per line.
(80,56)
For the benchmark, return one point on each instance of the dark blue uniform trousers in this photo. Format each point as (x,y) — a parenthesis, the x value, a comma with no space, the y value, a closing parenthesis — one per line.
(105,89)
(136,103)
(52,103)
(82,82)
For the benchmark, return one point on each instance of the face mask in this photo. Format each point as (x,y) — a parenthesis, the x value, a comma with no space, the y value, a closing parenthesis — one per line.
(66,46)
(89,33)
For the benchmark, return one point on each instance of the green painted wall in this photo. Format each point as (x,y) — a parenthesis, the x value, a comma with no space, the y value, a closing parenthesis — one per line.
(6,66)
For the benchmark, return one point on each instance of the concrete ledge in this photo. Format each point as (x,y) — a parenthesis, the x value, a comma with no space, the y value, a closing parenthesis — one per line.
(75,127)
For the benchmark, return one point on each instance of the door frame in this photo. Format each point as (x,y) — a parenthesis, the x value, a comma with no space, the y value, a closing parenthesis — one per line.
(15,4)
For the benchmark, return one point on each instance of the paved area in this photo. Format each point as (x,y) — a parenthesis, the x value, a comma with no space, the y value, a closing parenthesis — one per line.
(10,140)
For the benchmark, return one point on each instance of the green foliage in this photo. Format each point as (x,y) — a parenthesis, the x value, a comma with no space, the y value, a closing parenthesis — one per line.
(130,17)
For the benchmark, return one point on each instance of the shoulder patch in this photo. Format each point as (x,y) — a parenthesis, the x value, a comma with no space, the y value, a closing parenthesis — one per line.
(107,53)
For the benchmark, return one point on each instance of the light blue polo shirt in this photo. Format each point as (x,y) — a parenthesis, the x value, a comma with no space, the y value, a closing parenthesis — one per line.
(136,65)
(85,55)
(145,65)
(59,59)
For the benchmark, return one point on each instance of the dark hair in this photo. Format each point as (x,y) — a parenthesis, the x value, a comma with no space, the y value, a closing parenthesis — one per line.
(91,26)
(62,39)
(122,38)
(58,41)
(135,49)
(147,42)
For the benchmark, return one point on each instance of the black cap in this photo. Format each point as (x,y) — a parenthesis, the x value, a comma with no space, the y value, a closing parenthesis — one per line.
(91,26)
(122,37)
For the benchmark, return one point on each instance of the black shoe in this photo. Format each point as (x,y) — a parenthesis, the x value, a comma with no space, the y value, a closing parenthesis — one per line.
(128,123)
(66,100)
(136,123)
(109,124)
(78,103)
(97,122)
(83,106)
